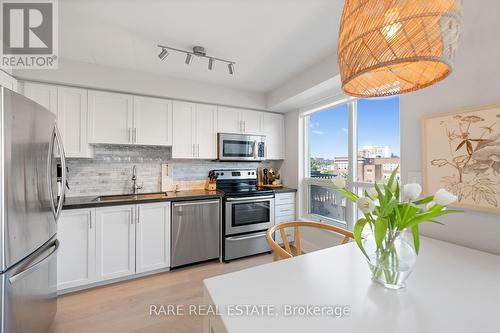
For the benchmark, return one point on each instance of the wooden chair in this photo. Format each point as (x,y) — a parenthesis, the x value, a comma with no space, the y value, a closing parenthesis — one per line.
(286,252)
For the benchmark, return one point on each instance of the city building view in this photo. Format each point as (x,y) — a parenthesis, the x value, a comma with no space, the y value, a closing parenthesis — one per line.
(375,163)
(378,153)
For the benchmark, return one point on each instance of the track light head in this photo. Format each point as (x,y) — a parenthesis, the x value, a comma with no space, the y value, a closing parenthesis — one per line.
(230,67)
(163,54)
(211,64)
(189,57)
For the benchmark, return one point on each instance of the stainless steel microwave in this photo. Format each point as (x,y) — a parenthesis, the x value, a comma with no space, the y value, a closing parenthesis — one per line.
(241,147)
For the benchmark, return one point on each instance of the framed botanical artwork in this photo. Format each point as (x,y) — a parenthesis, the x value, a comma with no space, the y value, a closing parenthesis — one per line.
(461,153)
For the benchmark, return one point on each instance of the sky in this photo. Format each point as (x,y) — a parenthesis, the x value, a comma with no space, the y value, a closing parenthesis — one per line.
(378,124)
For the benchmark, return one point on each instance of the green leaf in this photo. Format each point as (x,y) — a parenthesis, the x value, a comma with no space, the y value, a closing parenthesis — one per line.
(381,198)
(348,194)
(358,229)
(380,231)
(424,200)
(428,217)
(416,238)
(392,177)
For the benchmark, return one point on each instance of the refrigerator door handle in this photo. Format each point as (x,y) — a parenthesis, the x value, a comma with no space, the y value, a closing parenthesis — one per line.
(64,172)
(56,137)
(34,267)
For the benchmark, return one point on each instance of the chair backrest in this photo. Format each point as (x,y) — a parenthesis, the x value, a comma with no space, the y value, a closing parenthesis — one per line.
(286,252)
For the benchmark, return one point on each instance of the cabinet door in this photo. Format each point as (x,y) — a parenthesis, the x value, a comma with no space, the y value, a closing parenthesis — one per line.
(183,142)
(152,236)
(8,81)
(228,120)
(76,256)
(115,242)
(206,131)
(152,121)
(72,120)
(274,129)
(43,94)
(110,117)
(252,121)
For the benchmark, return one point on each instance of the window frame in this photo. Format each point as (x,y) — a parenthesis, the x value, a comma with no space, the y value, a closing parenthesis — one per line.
(352,182)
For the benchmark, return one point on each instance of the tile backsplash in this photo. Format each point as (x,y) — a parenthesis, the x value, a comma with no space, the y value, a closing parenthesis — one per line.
(110,170)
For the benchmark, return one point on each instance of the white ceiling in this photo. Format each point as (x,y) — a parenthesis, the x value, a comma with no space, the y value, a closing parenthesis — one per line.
(270,40)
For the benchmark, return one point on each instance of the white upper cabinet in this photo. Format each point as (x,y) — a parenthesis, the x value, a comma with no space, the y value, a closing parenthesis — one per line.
(152,236)
(233,120)
(115,242)
(8,81)
(76,255)
(110,117)
(72,120)
(194,133)
(206,131)
(183,145)
(274,130)
(251,121)
(43,94)
(152,121)
(228,120)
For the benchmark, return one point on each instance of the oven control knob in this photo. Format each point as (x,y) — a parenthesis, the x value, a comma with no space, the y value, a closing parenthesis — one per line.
(217,174)
(249,173)
(222,174)
(253,173)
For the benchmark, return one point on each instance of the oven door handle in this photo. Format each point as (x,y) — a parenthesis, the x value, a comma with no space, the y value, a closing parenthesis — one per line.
(251,198)
(260,234)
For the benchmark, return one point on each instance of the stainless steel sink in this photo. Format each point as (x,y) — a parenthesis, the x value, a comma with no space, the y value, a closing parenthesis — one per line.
(131,197)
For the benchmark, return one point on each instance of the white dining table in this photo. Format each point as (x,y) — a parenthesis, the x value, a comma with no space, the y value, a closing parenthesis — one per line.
(452,289)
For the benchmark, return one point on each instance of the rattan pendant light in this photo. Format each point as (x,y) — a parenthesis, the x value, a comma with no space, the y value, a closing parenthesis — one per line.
(389,47)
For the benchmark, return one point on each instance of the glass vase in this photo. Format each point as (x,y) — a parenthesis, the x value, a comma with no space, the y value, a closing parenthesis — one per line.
(392,263)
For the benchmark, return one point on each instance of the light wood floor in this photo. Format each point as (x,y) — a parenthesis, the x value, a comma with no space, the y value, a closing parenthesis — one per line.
(124,307)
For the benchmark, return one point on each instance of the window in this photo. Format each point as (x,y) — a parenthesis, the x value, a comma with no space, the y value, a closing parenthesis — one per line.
(357,140)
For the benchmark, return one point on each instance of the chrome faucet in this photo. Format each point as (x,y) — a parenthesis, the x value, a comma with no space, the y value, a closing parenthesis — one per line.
(135,187)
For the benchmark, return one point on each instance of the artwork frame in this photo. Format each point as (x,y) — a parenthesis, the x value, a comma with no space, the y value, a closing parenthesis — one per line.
(461,153)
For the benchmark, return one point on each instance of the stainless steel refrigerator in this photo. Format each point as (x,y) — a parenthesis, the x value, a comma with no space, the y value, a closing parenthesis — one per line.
(30,148)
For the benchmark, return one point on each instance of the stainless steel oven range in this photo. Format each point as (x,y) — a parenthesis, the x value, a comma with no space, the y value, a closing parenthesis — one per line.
(248,211)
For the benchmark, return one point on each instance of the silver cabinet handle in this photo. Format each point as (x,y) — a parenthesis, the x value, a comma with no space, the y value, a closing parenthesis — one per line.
(135,135)
(198,152)
(130,134)
(192,148)
(35,266)
(244,125)
(50,165)
(138,215)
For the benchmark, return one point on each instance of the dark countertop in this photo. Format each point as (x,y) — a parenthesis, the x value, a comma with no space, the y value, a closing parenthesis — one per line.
(282,189)
(90,201)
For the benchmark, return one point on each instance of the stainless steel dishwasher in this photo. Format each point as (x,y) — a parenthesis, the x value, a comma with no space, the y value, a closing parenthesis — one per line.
(195,231)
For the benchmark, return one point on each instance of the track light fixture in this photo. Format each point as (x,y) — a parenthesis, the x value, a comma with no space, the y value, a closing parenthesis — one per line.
(163,54)
(198,51)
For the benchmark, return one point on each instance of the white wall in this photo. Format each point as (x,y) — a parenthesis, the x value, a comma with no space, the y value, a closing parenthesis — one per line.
(475,81)
(107,78)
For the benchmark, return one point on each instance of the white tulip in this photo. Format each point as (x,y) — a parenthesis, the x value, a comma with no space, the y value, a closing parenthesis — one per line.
(372,193)
(411,191)
(366,205)
(339,182)
(394,184)
(444,198)
(430,205)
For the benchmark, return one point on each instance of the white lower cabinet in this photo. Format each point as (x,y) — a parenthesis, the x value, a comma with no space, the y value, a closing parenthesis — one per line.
(152,237)
(107,243)
(284,211)
(115,238)
(76,255)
